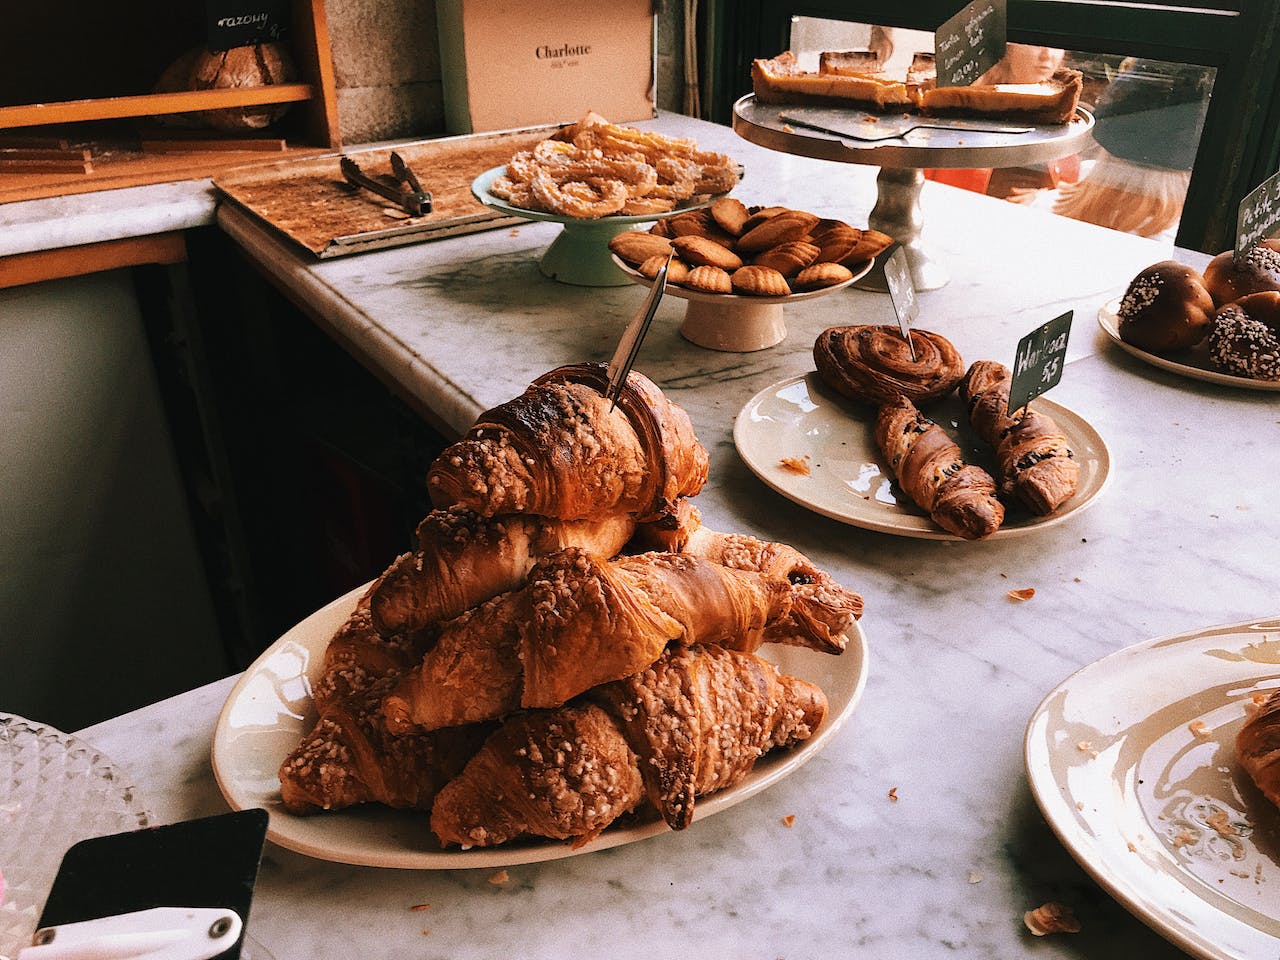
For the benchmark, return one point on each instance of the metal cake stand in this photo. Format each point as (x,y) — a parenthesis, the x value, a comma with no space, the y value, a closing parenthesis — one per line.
(904,147)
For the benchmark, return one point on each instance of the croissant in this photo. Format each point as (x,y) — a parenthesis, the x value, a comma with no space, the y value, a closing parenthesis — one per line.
(1034,461)
(578,622)
(463,559)
(348,757)
(874,364)
(959,497)
(1258,747)
(562,450)
(694,722)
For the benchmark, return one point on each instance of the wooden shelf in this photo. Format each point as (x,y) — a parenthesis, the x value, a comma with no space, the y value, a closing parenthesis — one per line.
(122,155)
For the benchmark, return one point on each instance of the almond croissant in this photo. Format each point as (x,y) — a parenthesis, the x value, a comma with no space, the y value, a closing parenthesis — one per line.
(581,621)
(959,497)
(463,559)
(561,449)
(348,757)
(1034,462)
(694,722)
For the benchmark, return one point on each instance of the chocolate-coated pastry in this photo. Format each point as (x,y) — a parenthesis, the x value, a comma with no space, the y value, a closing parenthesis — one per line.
(1257,271)
(1244,338)
(1166,307)
(873,364)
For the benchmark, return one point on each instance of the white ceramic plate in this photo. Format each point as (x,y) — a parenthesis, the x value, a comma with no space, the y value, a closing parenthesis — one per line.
(269,709)
(1192,363)
(1132,762)
(800,419)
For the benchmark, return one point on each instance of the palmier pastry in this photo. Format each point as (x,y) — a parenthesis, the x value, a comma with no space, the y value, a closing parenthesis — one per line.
(1166,307)
(873,364)
(1244,337)
(1258,747)
(1257,271)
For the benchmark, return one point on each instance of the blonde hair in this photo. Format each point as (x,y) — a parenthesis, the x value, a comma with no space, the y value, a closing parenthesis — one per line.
(1125,196)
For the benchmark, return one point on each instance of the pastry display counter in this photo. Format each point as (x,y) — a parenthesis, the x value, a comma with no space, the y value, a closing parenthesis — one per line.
(916,830)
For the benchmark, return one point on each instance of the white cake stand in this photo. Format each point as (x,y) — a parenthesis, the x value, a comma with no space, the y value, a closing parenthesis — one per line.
(903,147)
(733,322)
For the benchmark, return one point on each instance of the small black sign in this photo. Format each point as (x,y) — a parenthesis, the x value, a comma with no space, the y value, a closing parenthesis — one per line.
(241,23)
(970,43)
(1258,216)
(902,290)
(1037,366)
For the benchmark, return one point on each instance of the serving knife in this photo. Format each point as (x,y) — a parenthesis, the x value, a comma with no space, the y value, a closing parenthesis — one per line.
(883,129)
(624,356)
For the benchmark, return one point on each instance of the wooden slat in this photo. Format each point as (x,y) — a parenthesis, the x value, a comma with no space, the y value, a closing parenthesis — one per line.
(118,108)
(41,265)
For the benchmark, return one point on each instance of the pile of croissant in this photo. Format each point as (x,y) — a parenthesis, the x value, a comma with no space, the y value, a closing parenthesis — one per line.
(567,645)
(1036,468)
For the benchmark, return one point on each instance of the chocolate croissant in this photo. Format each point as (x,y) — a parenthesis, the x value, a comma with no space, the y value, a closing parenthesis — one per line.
(959,497)
(463,559)
(695,722)
(874,364)
(1034,461)
(1258,747)
(562,450)
(348,757)
(581,621)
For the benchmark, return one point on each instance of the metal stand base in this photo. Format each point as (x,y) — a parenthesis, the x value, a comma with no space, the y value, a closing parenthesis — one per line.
(897,213)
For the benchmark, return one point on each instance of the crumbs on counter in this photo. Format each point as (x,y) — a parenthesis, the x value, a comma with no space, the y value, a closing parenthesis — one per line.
(1051,917)
(789,820)
(893,794)
(499,877)
(1026,593)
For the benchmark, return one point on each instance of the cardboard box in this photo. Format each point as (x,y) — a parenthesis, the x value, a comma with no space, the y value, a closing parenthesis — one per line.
(508,63)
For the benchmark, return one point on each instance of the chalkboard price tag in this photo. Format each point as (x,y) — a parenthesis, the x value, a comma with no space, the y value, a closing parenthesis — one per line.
(902,290)
(1037,366)
(1258,216)
(970,43)
(241,23)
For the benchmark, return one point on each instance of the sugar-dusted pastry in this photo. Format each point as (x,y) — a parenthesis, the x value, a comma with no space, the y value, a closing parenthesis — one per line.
(927,463)
(1034,461)
(694,723)
(873,364)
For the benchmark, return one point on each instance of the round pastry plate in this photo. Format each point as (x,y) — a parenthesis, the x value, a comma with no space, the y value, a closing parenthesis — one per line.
(1192,363)
(1132,761)
(580,253)
(58,790)
(799,425)
(734,322)
(269,710)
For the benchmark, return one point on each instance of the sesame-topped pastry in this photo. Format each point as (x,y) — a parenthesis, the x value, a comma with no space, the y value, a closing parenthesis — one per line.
(693,723)
(1244,338)
(1166,307)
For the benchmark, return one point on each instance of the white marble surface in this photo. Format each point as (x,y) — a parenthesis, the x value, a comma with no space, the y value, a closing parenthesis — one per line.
(1182,537)
(28,226)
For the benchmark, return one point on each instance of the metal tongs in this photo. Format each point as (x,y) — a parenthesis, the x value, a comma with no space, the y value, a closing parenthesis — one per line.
(407,192)
(629,346)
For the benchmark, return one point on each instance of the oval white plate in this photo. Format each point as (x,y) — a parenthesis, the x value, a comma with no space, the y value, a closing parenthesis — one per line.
(800,419)
(1194,363)
(1132,756)
(269,709)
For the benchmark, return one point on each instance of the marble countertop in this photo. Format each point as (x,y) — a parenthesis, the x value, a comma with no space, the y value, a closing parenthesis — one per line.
(1182,537)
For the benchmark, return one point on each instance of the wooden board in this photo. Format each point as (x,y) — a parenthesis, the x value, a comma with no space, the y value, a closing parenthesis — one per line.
(311,203)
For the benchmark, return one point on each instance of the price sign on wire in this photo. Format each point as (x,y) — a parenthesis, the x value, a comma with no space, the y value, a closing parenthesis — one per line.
(1258,216)
(902,292)
(1037,366)
(970,43)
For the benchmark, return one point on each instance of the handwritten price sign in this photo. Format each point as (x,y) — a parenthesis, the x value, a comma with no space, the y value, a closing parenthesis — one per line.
(1258,216)
(970,43)
(1037,366)
(240,23)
